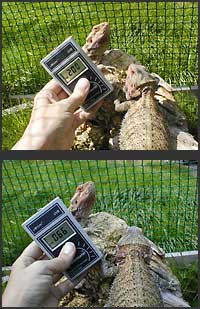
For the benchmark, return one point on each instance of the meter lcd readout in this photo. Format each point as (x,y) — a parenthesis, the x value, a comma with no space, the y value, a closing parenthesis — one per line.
(52,226)
(68,63)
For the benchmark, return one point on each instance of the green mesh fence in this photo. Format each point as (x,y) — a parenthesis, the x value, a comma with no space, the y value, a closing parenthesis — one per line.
(163,36)
(159,196)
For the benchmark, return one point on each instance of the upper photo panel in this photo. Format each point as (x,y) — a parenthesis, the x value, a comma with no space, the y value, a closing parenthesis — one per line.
(100,76)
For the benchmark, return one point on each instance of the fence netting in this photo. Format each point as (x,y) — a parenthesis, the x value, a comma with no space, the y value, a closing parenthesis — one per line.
(162,35)
(158,196)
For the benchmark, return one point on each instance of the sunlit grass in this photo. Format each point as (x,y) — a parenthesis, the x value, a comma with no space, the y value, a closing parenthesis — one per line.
(188,277)
(13,126)
(163,36)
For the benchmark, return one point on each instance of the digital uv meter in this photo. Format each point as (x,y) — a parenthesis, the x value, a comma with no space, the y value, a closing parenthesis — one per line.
(54,225)
(68,63)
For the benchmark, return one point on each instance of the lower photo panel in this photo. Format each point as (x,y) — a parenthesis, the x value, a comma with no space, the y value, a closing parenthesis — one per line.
(134,225)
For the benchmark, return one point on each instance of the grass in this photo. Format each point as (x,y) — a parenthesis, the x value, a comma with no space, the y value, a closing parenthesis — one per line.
(188,277)
(157,196)
(163,36)
(189,106)
(13,127)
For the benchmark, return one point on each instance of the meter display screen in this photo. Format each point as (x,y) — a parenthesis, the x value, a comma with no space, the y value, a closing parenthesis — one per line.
(57,236)
(73,70)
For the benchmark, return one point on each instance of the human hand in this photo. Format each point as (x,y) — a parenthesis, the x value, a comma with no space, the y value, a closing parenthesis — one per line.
(33,277)
(55,117)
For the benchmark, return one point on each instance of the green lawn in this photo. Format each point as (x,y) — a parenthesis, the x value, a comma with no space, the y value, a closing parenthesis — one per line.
(13,126)
(188,277)
(160,198)
(163,36)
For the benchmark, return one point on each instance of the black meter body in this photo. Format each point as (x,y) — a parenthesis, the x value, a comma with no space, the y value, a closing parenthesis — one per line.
(52,226)
(68,62)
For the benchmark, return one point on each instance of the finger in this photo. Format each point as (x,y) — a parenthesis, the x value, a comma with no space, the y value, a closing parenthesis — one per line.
(45,96)
(62,95)
(81,116)
(28,256)
(64,287)
(57,277)
(78,96)
(33,251)
(49,93)
(54,86)
(60,290)
(44,257)
(64,260)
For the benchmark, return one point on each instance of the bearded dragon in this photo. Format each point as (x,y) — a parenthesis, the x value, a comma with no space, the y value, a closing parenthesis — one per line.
(97,41)
(143,127)
(134,286)
(95,133)
(104,230)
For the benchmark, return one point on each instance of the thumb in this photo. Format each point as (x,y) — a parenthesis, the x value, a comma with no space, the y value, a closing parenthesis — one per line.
(64,260)
(78,96)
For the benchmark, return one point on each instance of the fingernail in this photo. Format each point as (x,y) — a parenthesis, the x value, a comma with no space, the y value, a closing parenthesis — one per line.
(68,248)
(83,84)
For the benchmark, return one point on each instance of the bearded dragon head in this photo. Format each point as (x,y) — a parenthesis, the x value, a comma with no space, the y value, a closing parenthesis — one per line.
(97,41)
(132,244)
(137,78)
(83,200)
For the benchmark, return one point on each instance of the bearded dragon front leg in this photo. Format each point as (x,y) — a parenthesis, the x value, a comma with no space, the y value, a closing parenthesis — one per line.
(108,271)
(122,107)
(93,232)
